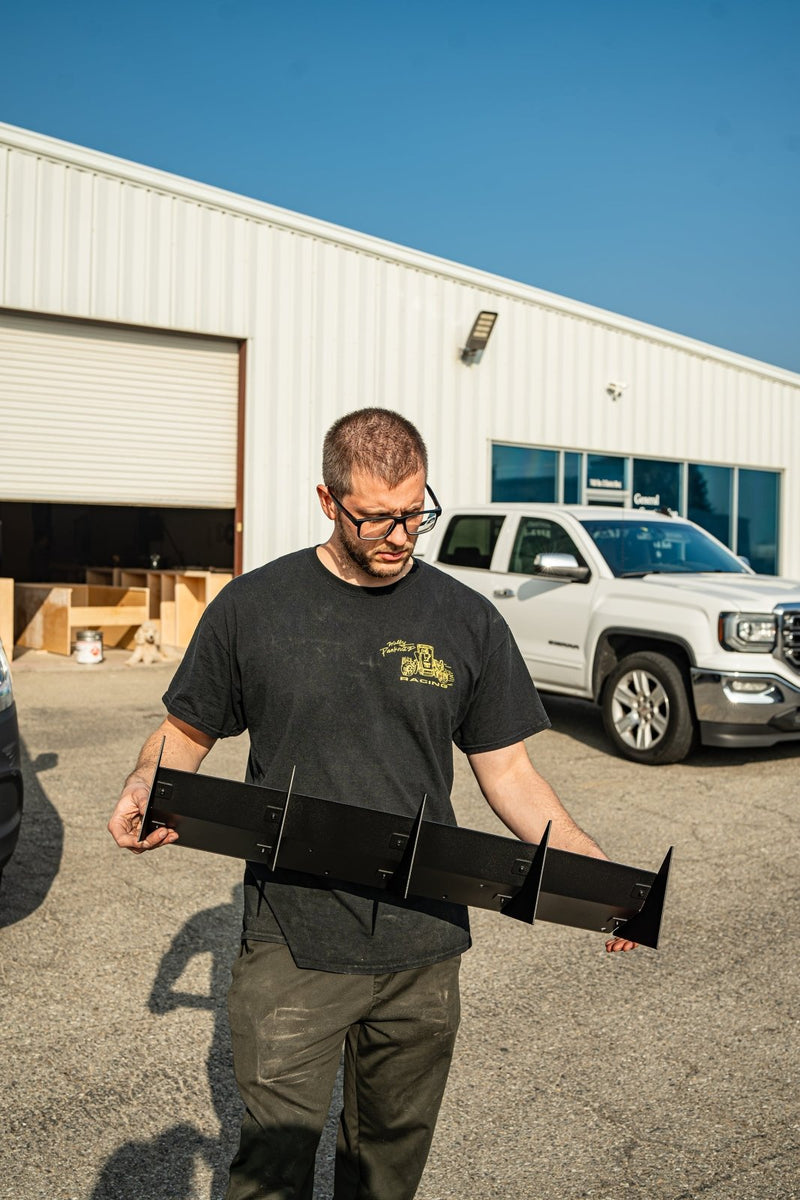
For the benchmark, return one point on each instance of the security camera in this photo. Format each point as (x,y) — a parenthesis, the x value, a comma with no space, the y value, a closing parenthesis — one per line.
(615,390)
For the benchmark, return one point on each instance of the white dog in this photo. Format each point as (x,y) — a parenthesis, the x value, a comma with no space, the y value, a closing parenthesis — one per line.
(148,645)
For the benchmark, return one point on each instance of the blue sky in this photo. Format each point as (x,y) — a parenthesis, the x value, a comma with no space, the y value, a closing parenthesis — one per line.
(640,156)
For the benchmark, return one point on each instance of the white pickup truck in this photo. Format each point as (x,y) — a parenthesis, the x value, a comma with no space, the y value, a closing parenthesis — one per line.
(643,613)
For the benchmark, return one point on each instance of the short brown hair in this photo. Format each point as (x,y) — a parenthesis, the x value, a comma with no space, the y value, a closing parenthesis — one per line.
(376,441)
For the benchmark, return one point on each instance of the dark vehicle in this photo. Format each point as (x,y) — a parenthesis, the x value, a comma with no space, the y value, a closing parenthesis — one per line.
(10,774)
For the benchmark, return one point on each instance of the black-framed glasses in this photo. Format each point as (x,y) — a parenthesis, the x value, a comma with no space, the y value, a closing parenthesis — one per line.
(375,529)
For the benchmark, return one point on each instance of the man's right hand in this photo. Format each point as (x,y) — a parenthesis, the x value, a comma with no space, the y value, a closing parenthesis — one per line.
(126,821)
(175,744)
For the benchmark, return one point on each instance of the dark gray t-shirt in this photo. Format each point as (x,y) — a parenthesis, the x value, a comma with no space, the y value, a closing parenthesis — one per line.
(365,690)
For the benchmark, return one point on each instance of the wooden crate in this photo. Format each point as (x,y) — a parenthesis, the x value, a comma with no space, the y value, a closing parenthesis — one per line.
(166,609)
(193,592)
(127,577)
(178,597)
(106,576)
(7,615)
(47,615)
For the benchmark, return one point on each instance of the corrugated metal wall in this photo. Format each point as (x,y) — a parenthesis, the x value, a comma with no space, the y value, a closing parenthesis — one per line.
(106,414)
(335,320)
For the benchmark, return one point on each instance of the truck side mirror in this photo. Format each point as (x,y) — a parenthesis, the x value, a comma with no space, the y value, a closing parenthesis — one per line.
(560,566)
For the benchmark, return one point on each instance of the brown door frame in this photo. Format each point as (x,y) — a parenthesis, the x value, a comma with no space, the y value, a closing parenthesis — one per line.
(238,517)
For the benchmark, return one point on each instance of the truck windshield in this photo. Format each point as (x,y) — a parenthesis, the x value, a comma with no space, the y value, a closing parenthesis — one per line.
(634,547)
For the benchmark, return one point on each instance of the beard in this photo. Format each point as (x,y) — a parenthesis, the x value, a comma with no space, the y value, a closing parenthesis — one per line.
(361,553)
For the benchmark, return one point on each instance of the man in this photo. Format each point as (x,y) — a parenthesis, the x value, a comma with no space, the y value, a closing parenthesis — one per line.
(310,654)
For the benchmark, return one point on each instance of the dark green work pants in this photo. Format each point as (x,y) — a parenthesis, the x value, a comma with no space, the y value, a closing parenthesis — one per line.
(288,1026)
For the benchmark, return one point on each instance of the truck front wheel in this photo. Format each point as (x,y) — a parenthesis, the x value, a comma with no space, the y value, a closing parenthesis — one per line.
(646,710)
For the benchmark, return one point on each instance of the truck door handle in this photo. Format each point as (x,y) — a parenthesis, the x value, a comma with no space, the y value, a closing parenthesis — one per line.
(503,593)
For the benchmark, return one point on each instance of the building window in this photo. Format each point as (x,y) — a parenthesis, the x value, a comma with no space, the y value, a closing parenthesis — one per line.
(607,480)
(524,473)
(606,472)
(656,484)
(738,505)
(757,521)
(709,501)
(573,463)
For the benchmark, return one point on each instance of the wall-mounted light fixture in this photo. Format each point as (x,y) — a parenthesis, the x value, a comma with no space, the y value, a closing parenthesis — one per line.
(615,390)
(478,338)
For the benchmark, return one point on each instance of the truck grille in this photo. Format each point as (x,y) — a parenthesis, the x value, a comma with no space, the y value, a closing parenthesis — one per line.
(790,637)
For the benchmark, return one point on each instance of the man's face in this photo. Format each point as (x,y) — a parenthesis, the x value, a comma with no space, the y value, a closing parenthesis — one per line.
(372,497)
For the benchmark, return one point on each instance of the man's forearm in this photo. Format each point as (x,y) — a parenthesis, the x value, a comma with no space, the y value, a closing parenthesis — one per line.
(181,751)
(525,802)
(526,814)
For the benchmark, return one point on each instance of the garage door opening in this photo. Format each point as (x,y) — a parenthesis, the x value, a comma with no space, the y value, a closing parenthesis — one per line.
(58,543)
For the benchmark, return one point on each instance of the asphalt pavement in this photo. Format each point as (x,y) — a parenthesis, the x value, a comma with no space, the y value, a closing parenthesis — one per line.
(665,1075)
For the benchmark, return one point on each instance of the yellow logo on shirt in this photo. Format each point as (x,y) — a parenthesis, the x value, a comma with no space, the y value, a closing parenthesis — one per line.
(419,664)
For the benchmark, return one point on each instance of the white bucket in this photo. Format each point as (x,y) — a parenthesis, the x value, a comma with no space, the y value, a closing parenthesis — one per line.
(89,646)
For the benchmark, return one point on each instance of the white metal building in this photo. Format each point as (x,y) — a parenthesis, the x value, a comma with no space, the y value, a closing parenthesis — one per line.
(169,345)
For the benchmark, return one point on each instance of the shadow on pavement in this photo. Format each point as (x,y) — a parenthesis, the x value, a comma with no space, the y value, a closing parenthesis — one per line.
(577,719)
(34,865)
(215,931)
(165,1165)
(581,720)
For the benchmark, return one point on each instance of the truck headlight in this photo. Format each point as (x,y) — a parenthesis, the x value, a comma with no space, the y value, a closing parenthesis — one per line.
(752,632)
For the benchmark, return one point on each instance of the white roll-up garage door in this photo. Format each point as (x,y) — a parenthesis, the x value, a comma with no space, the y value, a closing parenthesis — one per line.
(110,415)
